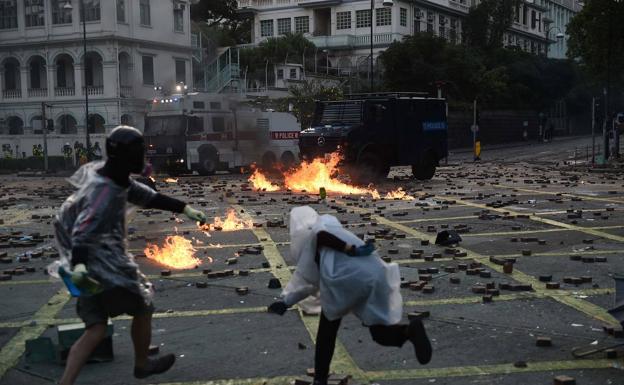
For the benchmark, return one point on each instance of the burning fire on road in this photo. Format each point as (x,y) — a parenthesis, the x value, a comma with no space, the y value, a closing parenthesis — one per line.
(177,253)
(231,223)
(321,173)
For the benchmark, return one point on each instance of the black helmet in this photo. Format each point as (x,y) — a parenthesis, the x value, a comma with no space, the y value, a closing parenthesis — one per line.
(126,148)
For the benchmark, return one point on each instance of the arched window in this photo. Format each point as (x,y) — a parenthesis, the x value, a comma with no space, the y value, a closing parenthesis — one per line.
(96,124)
(67,124)
(37,71)
(16,125)
(11,76)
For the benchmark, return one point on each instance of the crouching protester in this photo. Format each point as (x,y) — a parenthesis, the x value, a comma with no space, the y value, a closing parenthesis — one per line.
(95,265)
(351,278)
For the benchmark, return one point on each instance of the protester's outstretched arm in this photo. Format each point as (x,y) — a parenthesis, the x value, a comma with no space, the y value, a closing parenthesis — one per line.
(144,196)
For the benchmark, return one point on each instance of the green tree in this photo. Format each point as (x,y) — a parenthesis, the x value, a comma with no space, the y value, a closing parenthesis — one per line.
(597,43)
(487,23)
(303,99)
(214,12)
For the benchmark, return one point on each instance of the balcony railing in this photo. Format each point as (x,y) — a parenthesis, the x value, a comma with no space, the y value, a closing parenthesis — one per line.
(126,91)
(272,3)
(37,92)
(93,90)
(12,94)
(64,91)
(354,41)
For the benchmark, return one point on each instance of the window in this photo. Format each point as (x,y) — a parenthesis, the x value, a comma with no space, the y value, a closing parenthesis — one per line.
(302,24)
(283,26)
(8,14)
(442,26)
(34,13)
(533,20)
(121,11)
(199,105)
(218,124)
(266,28)
(280,74)
(68,124)
(343,20)
(91,10)
(363,18)
(60,15)
(383,16)
(403,17)
(178,17)
(293,73)
(148,70)
(418,15)
(196,125)
(145,12)
(453,34)
(180,68)
(430,20)
(215,105)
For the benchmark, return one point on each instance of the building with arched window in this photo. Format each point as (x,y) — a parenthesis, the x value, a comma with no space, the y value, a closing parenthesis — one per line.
(132,47)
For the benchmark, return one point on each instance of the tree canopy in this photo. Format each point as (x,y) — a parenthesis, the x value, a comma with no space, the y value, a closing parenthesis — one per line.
(486,23)
(597,42)
(499,78)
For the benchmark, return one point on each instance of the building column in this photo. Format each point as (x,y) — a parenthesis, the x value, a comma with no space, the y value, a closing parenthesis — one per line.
(78,80)
(51,75)
(24,81)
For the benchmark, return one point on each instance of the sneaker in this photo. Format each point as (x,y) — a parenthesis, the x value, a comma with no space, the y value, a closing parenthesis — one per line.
(418,337)
(155,366)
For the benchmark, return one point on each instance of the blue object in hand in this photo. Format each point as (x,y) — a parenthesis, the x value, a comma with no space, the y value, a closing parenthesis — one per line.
(364,250)
(67,280)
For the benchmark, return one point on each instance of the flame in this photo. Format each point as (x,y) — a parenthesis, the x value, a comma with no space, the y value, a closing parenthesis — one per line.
(171,180)
(312,176)
(260,182)
(177,253)
(399,194)
(231,223)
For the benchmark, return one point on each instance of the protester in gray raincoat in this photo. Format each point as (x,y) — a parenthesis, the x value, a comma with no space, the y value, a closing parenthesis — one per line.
(91,237)
(351,278)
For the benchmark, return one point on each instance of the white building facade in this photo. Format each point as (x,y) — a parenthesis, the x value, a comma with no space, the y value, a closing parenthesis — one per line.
(132,47)
(560,12)
(342,28)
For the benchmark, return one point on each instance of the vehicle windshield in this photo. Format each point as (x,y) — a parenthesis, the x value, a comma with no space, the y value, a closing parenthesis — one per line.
(346,113)
(165,125)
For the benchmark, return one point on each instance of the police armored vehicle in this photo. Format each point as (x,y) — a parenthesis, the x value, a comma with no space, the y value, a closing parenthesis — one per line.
(377,131)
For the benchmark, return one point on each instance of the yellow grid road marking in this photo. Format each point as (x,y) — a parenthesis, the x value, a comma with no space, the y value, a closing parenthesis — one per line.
(484,370)
(539,231)
(539,287)
(541,192)
(14,348)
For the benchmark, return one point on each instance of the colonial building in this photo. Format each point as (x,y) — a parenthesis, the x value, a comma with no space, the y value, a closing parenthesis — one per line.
(132,46)
(342,28)
(560,12)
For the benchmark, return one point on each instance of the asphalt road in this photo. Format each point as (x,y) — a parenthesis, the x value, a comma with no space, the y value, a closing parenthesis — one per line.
(526,204)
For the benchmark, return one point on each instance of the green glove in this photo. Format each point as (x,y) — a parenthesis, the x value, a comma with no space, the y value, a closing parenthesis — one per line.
(80,278)
(195,215)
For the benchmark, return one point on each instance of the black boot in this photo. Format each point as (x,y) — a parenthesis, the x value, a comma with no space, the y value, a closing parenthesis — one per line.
(418,337)
(155,366)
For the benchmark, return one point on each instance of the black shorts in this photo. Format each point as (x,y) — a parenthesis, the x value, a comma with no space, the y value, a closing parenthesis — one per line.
(99,308)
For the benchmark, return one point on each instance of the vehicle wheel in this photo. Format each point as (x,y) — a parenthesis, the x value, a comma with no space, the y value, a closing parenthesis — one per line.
(288,159)
(208,161)
(426,168)
(370,168)
(268,161)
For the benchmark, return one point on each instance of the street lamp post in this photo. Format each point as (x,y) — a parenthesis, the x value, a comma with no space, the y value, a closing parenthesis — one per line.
(385,3)
(69,7)
(559,36)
